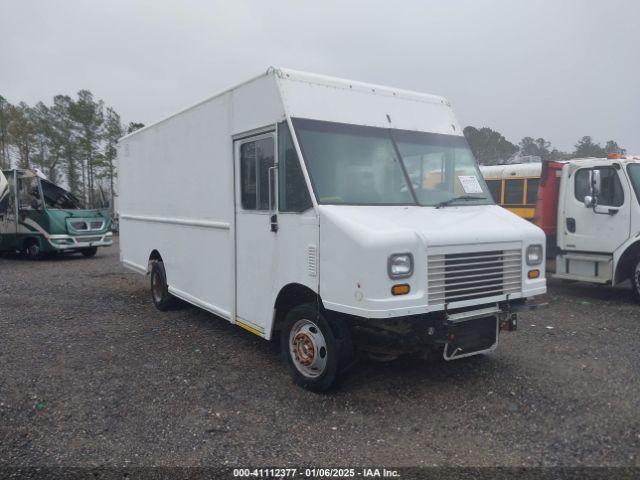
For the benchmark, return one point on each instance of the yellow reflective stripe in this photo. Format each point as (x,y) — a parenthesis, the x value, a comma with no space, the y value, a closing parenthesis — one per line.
(248,328)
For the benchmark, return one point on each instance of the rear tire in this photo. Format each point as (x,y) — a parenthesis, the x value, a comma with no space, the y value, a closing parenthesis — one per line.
(310,348)
(160,295)
(635,281)
(89,252)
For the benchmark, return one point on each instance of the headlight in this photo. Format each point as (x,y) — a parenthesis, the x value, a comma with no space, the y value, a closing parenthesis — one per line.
(534,254)
(400,265)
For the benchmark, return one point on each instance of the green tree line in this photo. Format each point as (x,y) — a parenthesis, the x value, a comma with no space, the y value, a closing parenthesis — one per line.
(491,147)
(72,141)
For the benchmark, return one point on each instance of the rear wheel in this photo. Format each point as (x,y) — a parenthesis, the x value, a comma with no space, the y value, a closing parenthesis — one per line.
(160,295)
(310,348)
(635,280)
(89,252)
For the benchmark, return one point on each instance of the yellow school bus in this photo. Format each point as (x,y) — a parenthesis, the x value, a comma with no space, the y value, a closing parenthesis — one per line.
(514,187)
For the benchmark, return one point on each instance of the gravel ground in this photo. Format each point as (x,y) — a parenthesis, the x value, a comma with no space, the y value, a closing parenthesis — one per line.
(91,374)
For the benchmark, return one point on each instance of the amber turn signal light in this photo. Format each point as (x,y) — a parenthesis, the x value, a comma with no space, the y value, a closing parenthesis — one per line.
(533,274)
(401,289)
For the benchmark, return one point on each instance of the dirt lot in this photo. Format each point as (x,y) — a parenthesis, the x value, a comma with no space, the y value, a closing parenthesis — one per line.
(91,374)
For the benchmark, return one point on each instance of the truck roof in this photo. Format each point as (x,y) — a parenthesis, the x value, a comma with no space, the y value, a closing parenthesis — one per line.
(346,84)
(513,170)
(309,95)
(594,161)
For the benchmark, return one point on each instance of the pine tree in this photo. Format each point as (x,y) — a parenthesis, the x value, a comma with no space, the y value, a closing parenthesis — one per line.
(133,126)
(587,148)
(65,130)
(21,130)
(89,115)
(5,160)
(113,130)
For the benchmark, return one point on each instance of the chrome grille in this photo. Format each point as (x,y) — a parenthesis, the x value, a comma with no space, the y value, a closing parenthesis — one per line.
(79,225)
(457,277)
(86,224)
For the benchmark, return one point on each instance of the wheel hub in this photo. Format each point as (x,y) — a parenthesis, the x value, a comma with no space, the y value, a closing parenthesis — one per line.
(308,348)
(304,349)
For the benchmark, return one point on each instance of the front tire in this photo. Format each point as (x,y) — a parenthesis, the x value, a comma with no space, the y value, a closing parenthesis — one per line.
(310,348)
(160,295)
(635,281)
(33,251)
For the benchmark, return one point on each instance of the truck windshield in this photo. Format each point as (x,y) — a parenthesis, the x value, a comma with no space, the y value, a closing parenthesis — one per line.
(57,197)
(358,165)
(634,174)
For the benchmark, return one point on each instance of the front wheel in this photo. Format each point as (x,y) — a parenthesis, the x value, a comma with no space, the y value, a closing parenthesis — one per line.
(89,252)
(33,251)
(635,280)
(310,348)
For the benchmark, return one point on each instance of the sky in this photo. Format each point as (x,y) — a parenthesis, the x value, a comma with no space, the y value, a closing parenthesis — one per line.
(558,69)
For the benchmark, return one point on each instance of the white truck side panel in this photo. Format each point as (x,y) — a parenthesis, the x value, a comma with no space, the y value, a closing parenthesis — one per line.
(177,192)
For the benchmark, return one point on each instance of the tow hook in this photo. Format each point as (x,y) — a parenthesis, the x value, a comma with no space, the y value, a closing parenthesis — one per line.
(510,323)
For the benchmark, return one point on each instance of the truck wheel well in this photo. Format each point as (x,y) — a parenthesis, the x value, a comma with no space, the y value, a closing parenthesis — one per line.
(627,262)
(29,241)
(290,296)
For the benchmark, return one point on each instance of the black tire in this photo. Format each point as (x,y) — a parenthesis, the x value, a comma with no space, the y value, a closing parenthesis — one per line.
(315,358)
(32,250)
(635,280)
(89,252)
(160,295)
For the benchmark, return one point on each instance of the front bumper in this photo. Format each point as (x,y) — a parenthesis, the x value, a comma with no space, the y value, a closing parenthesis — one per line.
(460,333)
(78,242)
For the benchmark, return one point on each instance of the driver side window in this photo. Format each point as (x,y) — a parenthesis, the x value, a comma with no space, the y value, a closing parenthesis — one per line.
(29,193)
(611,193)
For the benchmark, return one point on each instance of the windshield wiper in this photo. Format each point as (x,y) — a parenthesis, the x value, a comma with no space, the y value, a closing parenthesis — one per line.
(461,197)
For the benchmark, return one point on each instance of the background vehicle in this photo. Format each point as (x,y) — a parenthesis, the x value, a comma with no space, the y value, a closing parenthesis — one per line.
(514,187)
(589,209)
(38,217)
(330,213)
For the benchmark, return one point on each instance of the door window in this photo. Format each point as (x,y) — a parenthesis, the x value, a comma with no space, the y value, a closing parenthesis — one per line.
(256,157)
(611,193)
(29,193)
(294,196)
(634,173)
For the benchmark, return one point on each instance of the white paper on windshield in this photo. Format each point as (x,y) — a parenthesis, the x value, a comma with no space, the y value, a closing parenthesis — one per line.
(470,184)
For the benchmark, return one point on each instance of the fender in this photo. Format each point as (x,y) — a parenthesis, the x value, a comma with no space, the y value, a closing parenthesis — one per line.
(629,250)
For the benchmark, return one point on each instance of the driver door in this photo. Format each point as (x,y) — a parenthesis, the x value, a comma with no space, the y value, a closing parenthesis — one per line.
(601,229)
(255,161)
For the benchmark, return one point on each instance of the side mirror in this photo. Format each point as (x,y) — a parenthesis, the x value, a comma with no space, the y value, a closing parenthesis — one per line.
(588,201)
(591,200)
(594,182)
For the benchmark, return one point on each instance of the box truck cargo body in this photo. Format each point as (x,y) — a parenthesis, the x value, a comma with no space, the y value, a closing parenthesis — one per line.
(334,215)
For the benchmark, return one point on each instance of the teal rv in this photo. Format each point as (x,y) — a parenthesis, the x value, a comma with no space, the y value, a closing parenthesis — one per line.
(38,217)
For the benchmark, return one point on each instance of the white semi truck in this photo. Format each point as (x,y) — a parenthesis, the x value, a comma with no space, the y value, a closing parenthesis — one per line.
(336,216)
(590,210)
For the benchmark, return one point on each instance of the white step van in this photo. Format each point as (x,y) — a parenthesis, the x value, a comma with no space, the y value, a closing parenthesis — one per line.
(336,216)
